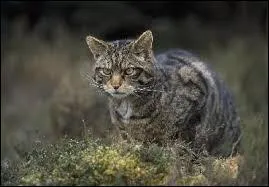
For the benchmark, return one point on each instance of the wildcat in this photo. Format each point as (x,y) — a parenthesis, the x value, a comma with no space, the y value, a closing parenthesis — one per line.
(171,96)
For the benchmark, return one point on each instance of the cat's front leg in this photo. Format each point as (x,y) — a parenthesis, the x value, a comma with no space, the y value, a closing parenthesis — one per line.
(116,125)
(121,132)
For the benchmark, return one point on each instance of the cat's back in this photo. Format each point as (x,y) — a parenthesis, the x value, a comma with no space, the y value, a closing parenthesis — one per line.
(177,62)
(191,67)
(219,108)
(174,57)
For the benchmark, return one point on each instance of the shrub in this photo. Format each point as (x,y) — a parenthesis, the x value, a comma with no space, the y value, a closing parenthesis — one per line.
(92,162)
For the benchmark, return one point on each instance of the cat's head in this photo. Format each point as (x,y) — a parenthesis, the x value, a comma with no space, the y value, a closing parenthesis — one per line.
(123,67)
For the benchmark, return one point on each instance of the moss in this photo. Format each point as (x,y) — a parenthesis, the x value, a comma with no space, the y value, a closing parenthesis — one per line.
(193,180)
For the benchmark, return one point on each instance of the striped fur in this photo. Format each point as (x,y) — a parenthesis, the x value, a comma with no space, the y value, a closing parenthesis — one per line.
(172,96)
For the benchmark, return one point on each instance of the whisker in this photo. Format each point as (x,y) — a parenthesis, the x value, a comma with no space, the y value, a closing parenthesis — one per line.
(151,90)
(135,94)
(95,85)
(88,77)
(99,89)
(92,81)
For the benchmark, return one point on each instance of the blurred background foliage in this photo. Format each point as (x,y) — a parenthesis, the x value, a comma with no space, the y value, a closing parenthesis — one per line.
(45,62)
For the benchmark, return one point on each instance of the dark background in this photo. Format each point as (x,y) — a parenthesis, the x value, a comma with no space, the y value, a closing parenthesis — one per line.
(132,17)
(44,59)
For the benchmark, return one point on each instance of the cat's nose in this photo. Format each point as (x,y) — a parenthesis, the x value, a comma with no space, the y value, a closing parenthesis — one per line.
(116,81)
(116,87)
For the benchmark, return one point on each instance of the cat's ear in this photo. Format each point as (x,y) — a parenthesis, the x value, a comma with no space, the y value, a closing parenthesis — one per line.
(144,42)
(96,46)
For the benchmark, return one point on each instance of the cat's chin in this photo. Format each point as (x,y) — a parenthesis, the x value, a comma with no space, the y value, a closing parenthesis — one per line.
(119,95)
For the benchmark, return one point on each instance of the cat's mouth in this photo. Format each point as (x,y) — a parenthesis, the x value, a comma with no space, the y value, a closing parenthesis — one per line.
(119,93)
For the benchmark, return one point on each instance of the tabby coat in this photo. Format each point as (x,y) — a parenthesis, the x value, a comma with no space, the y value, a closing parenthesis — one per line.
(171,96)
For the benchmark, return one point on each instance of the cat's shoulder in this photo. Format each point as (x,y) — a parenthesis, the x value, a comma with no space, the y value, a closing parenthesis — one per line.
(175,56)
(176,52)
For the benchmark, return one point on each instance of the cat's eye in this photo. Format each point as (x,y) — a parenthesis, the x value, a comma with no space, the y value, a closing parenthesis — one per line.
(130,71)
(138,53)
(105,71)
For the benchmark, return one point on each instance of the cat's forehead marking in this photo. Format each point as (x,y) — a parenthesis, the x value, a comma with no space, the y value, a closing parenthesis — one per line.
(116,58)
(118,51)
(120,44)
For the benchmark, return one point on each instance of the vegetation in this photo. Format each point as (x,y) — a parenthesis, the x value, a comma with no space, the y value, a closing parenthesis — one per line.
(91,162)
